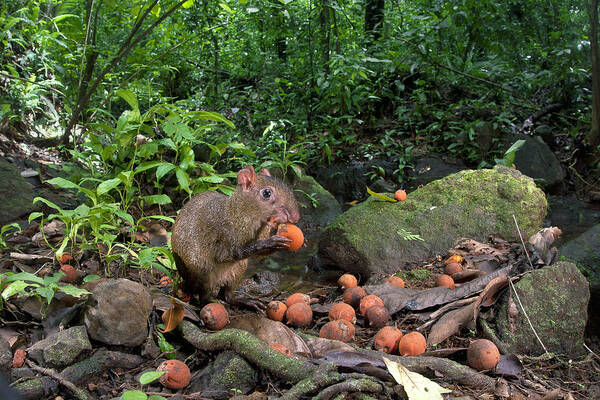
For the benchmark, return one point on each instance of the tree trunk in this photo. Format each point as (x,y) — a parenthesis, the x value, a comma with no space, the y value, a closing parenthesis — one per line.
(374,16)
(593,136)
(325,22)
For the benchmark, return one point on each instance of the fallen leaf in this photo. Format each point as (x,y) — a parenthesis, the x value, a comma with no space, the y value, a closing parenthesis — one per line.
(173,316)
(416,386)
(450,323)
(509,365)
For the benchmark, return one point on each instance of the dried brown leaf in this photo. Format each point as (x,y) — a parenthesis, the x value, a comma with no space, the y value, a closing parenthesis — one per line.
(449,324)
(173,316)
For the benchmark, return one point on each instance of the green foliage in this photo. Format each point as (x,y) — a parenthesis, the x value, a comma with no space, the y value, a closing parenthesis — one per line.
(25,284)
(509,155)
(406,235)
(6,230)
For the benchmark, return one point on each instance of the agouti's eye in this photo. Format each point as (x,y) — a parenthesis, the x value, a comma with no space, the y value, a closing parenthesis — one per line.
(266,193)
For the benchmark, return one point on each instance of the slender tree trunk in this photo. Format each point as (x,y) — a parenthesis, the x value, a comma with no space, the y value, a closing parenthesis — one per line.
(593,136)
(325,22)
(374,16)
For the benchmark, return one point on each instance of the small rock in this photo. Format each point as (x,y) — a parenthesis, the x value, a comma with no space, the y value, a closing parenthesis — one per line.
(5,356)
(118,312)
(228,371)
(62,348)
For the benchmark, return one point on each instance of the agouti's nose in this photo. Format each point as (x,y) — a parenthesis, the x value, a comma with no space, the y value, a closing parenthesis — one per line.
(294,216)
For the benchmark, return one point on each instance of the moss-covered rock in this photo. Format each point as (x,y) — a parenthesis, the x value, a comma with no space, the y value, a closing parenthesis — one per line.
(375,236)
(318,207)
(16,193)
(585,252)
(228,375)
(61,348)
(555,299)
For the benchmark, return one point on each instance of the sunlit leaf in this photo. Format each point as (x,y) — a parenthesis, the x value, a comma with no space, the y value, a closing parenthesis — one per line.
(380,196)
(416,386)
(173,316)
(150,376)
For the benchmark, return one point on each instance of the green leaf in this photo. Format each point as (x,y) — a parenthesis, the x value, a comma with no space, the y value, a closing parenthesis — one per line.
(183,179)
(164,169)
(164,346)
(46,292)
(212,116)
(17,287)
(89,278)
(150,376)
(134,395)
(157,199)
(73,290)
(24,276)
(156,397)
(226,8)
(63,183)
(380,196)
(188,4)
(107,186)
(130,98)
(62,17)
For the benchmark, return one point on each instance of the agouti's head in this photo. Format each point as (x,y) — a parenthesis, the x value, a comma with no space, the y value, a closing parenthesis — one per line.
(275,201)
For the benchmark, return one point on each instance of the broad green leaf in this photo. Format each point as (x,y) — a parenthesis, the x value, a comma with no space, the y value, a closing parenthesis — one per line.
(15,288)
(46,292)
(164,169)
(212,116)
(89,278)
(23,276)
(188,4)
(156,397)
(108,185)
(156,199)
(183,179)
(63,183)
(226,8)
(211,179)
(148,165)
(35,215)
(73,290)
(150,376)
(164,346)
(416,386)
(380,196)
(129,97)
(134,395)
(62,17)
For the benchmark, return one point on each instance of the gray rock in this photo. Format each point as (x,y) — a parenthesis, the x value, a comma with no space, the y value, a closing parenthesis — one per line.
(16,193)
(432,167)
(585,251)
(555,299)
(536,160)
(5,356)
(374,236)
(60,349)
(227,375)
(118,313)
(318,207)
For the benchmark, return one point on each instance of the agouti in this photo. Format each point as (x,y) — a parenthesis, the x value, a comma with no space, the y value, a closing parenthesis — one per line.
(214,234)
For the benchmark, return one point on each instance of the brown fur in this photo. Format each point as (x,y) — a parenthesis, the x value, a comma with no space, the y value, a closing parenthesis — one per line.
(214,234)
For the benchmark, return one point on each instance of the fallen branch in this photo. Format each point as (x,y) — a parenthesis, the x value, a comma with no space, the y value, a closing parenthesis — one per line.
(77,392)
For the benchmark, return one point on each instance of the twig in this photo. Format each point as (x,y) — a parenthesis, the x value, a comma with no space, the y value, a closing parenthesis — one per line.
(522,242)
(591,351)
(79,393)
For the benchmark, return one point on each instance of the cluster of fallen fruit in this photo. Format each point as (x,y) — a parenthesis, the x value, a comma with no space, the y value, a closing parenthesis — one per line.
(482,354)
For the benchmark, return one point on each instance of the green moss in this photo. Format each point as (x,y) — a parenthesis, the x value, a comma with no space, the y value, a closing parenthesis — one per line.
(416,275)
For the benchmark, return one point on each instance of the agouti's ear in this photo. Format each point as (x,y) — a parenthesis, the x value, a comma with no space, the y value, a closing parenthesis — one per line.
(265,172)
(246,178)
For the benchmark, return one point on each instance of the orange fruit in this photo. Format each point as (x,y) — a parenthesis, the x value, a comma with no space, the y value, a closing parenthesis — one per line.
(70,273)
(452,268)
(342,311)
(400,195)
(395,281)
(483,354)
(386,340)
(340,329)
(293,233)
(454,259)
(276,310)
(297,298)
(369,301)
(214,316)
(377,316)
(299,314)
(445,280)
(177,374)
(412,344)
(353,296)
(347,281)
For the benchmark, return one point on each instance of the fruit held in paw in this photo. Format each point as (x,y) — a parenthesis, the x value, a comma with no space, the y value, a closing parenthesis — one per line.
(483,354)
(276,310)
(395,281)
(340,329)
(400,195)
(177,374)
(214,316)
(342,311)
(353,296)
(347,281)
(293,233)
(377,316)
(452,268)
(297,298)
(386,340)
(281,348)
(299,314)
(445,280)
(412,344)
(369,301)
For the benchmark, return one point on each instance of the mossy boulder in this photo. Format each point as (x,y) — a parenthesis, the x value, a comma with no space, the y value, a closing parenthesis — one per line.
(585,252)
(318,207)
(229,374)
(555,299)
(16,193)
(375,236)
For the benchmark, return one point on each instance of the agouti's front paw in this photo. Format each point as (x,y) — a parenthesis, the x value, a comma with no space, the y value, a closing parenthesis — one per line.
(277,242)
